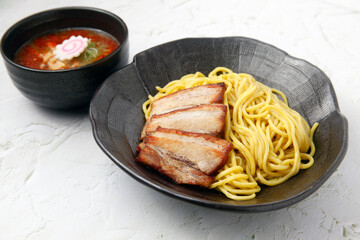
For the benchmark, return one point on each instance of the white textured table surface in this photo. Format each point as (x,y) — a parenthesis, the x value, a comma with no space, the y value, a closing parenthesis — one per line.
(56,183)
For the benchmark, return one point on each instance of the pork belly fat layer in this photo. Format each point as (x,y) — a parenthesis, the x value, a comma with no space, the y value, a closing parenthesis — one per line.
(204,94)
(207,118)
(201,151)
(177,170)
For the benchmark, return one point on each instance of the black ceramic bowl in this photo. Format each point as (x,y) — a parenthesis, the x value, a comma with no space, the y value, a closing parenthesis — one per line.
(117,117)
(64,88)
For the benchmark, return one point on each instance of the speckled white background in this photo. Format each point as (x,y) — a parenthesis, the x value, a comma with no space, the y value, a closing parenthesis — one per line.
(56,183)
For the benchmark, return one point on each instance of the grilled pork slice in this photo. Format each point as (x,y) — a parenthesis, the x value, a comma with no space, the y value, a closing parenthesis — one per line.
(186,157)
(175,169)
(204,94)
(207,118)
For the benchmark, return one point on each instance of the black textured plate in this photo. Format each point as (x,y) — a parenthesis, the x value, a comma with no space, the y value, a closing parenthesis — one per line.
(117,117)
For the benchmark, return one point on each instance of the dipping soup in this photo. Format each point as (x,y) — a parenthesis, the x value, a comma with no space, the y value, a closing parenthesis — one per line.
(39,53)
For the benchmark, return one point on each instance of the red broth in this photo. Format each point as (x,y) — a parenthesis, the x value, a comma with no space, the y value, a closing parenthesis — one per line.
(37,53)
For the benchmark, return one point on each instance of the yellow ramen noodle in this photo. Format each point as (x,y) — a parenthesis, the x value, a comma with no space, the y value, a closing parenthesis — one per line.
(271,142)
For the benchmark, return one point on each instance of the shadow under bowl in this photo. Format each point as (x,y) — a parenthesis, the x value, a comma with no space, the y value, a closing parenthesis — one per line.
(117,117)
(68,88)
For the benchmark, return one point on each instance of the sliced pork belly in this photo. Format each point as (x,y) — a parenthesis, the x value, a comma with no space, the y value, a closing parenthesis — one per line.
(207,118)
(186,157)
(175,169)
(204,94)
